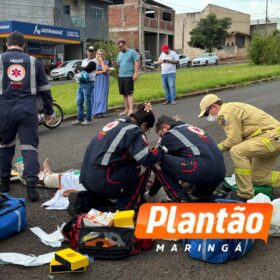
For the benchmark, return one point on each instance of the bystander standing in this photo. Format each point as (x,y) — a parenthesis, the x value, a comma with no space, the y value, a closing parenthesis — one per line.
(128,62)
(168,60)
(84,93)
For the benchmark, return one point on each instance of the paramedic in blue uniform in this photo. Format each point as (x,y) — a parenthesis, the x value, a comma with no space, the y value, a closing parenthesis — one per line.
(22,79)
(117,160)
(192,156)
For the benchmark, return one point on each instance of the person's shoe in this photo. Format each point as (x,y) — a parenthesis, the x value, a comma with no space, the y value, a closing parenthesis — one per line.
(5,184)
(173,102)
(165,102)
(186,198)
(76,122)
(123,113)
(234,196)
(99,116)
(32,192)
(77,201)
(86,122)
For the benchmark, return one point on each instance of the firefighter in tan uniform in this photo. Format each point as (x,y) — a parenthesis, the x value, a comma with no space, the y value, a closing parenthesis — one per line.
(253,139)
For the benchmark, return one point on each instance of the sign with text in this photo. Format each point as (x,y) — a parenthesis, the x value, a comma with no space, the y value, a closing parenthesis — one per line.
(204,220)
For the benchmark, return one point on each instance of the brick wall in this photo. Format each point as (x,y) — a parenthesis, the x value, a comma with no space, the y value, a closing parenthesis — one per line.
(123,16)
(132,38)
(115,16)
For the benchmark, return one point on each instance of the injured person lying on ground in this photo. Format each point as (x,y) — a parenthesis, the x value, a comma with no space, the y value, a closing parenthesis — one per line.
(66,182)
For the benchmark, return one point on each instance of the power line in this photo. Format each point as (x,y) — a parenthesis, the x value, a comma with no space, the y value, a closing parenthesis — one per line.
(178,5)
(274,12)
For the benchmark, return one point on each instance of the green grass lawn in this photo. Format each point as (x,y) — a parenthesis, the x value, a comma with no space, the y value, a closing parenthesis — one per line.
(148,86)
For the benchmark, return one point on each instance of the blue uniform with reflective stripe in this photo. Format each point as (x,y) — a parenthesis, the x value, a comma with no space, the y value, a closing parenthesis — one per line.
(124,140)
(115,161)
(22,80)
(192,157)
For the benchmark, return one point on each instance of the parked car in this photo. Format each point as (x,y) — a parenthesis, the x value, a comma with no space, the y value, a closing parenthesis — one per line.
(205,59)
(65,70)
(184,61)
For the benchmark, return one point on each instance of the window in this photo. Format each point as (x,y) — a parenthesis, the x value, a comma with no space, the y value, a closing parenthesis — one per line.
(97,12)
(78,21)
(240,41)
(66,9)
(166,16)
(150,13)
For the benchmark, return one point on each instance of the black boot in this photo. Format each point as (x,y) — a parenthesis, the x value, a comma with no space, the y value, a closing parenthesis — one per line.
(5,184)
(32,192)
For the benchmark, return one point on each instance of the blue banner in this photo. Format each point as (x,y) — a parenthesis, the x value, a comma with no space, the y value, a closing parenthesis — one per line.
(39,30)
(5,26)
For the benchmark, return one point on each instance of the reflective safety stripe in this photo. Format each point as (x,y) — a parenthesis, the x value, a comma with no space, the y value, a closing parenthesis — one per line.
(268,145)
(1,75)
(185,141)
(277,130)
(221,147)
(141,154)
(122,120)
(242,171)
(115,143)
(204,249)
(274,178)
(182,125)
(32,76)
(19,220)
(45,87)
(8,145)
(28,147)
(257,133)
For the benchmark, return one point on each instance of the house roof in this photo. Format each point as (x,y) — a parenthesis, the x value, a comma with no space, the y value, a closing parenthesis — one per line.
(240,33)
(209,5)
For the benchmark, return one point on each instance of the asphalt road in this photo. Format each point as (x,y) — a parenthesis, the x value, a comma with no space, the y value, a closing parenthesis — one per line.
(65,147)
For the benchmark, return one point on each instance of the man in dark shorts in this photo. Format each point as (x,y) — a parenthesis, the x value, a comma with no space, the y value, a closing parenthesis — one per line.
(128,61)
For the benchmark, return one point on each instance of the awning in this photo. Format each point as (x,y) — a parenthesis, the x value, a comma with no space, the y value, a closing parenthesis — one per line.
(240,33)
(41,32)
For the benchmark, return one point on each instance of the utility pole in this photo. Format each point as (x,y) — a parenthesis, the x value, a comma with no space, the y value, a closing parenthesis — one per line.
(266,17)
(141,30)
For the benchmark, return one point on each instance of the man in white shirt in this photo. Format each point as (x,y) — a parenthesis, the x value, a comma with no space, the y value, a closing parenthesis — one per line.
(85,90)
(168,60)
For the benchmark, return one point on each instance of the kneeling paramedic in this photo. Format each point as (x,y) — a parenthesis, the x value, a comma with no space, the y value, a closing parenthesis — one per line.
(22,77)
(192,156)
(253,139)
(116,160)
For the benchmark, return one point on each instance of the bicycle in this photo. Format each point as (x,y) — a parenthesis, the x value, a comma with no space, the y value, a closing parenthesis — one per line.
(58,116)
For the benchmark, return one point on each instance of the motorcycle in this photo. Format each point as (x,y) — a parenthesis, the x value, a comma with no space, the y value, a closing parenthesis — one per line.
(58,116)
(149,66)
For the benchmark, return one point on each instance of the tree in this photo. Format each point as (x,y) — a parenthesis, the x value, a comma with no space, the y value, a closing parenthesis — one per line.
(111,51)
(210,32)
(110,48)
(265,49)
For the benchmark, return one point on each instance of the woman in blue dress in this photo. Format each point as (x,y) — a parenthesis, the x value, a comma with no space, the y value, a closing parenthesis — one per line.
(101,88)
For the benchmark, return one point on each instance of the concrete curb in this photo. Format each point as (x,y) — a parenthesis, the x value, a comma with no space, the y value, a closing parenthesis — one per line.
(187,95)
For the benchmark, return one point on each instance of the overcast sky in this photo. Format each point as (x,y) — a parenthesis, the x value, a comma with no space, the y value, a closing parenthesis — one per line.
(256,8)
